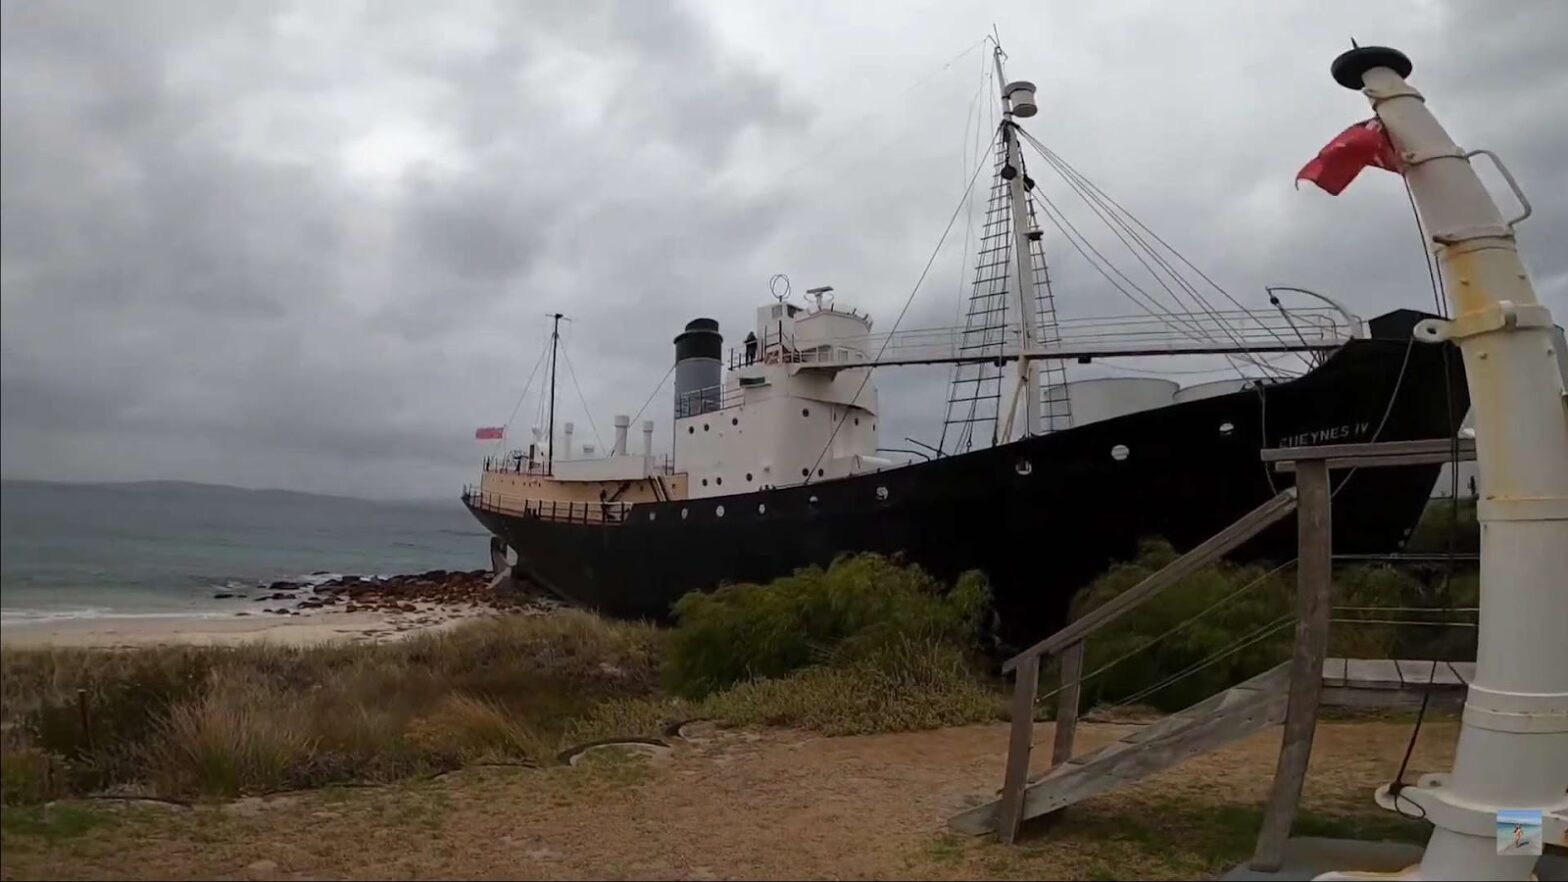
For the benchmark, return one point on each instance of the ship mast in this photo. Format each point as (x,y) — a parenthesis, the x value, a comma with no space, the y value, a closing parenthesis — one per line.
(555,343)
(1028,318)
(1513,742)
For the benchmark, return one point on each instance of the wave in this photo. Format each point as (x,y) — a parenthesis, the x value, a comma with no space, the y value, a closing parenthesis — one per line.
(48,616)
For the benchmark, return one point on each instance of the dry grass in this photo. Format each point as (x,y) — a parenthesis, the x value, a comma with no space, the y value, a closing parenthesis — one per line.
(255,719)
(738,804)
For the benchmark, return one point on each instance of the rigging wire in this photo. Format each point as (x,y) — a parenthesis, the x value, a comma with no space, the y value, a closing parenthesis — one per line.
(519,403)
(907,301)
(1115,216)
(580,400)
(1155,236)
(655,391)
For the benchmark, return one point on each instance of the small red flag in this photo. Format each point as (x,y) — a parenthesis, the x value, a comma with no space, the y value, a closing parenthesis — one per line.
(1352,150)
(489,433)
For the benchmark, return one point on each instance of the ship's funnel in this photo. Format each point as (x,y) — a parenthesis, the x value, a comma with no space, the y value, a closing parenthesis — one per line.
(698,368)
(622,423)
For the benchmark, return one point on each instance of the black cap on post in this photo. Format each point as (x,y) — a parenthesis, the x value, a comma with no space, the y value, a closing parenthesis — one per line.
(1350,66)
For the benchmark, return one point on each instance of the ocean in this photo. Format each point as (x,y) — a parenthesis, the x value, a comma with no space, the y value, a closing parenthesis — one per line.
(164,548)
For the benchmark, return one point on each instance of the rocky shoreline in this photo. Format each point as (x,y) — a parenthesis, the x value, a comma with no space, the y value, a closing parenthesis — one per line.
(409,594)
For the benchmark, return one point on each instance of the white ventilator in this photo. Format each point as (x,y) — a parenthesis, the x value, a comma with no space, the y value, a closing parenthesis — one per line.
(1513,743)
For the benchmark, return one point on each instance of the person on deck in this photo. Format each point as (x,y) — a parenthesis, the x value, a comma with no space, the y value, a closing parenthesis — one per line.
(751,346)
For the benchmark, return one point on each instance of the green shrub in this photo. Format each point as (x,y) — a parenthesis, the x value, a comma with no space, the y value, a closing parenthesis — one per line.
(1257,608)
(904,685)
(857,606)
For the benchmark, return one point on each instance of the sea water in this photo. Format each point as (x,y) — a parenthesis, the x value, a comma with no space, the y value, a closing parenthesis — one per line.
(165,548)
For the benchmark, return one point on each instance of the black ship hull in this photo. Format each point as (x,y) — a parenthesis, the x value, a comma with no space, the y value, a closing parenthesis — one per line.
(1041,516)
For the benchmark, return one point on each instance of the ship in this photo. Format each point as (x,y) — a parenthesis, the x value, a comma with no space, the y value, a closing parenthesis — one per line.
(1039,481)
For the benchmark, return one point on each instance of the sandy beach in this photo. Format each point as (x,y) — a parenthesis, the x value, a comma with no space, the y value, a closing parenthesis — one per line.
(305,628)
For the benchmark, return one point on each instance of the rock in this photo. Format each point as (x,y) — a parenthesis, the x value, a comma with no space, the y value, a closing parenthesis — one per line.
(242,613)
(310,604)
(283,585)
(281,611)
(262,868)
(407,607)
(222,595)
(281,596)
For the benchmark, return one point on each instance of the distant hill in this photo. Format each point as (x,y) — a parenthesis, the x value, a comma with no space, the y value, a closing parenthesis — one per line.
(216,491)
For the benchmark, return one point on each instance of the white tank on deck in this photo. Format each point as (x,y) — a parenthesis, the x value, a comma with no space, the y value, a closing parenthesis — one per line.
(1101,399)
(1212,389)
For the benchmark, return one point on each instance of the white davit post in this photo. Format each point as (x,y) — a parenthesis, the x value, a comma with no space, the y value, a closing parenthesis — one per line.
(1513,743)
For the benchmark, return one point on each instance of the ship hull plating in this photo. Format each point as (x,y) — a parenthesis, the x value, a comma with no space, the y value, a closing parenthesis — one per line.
(1040,516)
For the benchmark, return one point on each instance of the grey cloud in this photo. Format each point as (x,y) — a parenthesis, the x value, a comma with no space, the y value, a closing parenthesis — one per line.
(311,245)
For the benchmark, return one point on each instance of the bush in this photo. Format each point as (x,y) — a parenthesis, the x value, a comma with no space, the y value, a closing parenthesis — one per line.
(223,721)
(905,685)
(1266,602)
(858,606)
(238,738)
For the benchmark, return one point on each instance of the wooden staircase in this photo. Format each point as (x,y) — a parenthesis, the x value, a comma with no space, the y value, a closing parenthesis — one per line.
(1216,721)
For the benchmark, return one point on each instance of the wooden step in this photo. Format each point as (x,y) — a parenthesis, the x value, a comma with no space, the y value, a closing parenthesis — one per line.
(1212,723)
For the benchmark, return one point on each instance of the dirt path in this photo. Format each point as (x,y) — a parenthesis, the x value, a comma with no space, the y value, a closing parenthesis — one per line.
(743,805)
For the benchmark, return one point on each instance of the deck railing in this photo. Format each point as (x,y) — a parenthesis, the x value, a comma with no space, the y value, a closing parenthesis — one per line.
(562,511)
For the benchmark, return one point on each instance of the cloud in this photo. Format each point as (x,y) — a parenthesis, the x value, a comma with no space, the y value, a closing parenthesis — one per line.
(311,245)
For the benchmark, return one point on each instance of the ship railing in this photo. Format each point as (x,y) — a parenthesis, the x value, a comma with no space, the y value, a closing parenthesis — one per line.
(707,399)
(557,510)
(1219,332)
(514,464)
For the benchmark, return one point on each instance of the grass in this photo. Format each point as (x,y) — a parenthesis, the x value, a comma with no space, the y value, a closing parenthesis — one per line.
(50,825)
(865,645)
(230,721)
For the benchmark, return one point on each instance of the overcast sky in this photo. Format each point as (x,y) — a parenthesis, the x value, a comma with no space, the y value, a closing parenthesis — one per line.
(311,245)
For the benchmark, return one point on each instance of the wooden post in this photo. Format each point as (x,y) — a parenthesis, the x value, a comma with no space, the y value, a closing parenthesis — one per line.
(1313,583)
(1010,812)
(1067,704)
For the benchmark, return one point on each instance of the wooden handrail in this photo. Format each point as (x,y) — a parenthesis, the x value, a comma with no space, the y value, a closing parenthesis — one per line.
(1389,452)
(1249,525)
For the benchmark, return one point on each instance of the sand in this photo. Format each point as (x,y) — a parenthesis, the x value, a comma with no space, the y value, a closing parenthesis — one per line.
(306,628)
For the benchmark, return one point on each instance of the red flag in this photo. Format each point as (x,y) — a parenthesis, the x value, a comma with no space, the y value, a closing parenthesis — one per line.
(1357,147)
(489,433)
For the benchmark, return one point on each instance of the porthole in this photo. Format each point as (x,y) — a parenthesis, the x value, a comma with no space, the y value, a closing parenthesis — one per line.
(882,493)
(1227,427)
(719,511)
(762,508)
(691,430)
(734,421)
(1023,467)
(748,477)
(719,481)
(704,482)
(705,427)
(653,515)
(819,473)
(805,473)
(1119,452)
(812,500)
(805,411)
(684,514)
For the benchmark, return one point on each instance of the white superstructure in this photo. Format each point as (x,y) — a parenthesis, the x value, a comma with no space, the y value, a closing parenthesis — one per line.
(773,423)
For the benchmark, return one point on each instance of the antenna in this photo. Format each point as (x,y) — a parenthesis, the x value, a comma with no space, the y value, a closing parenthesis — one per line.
(778,285)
